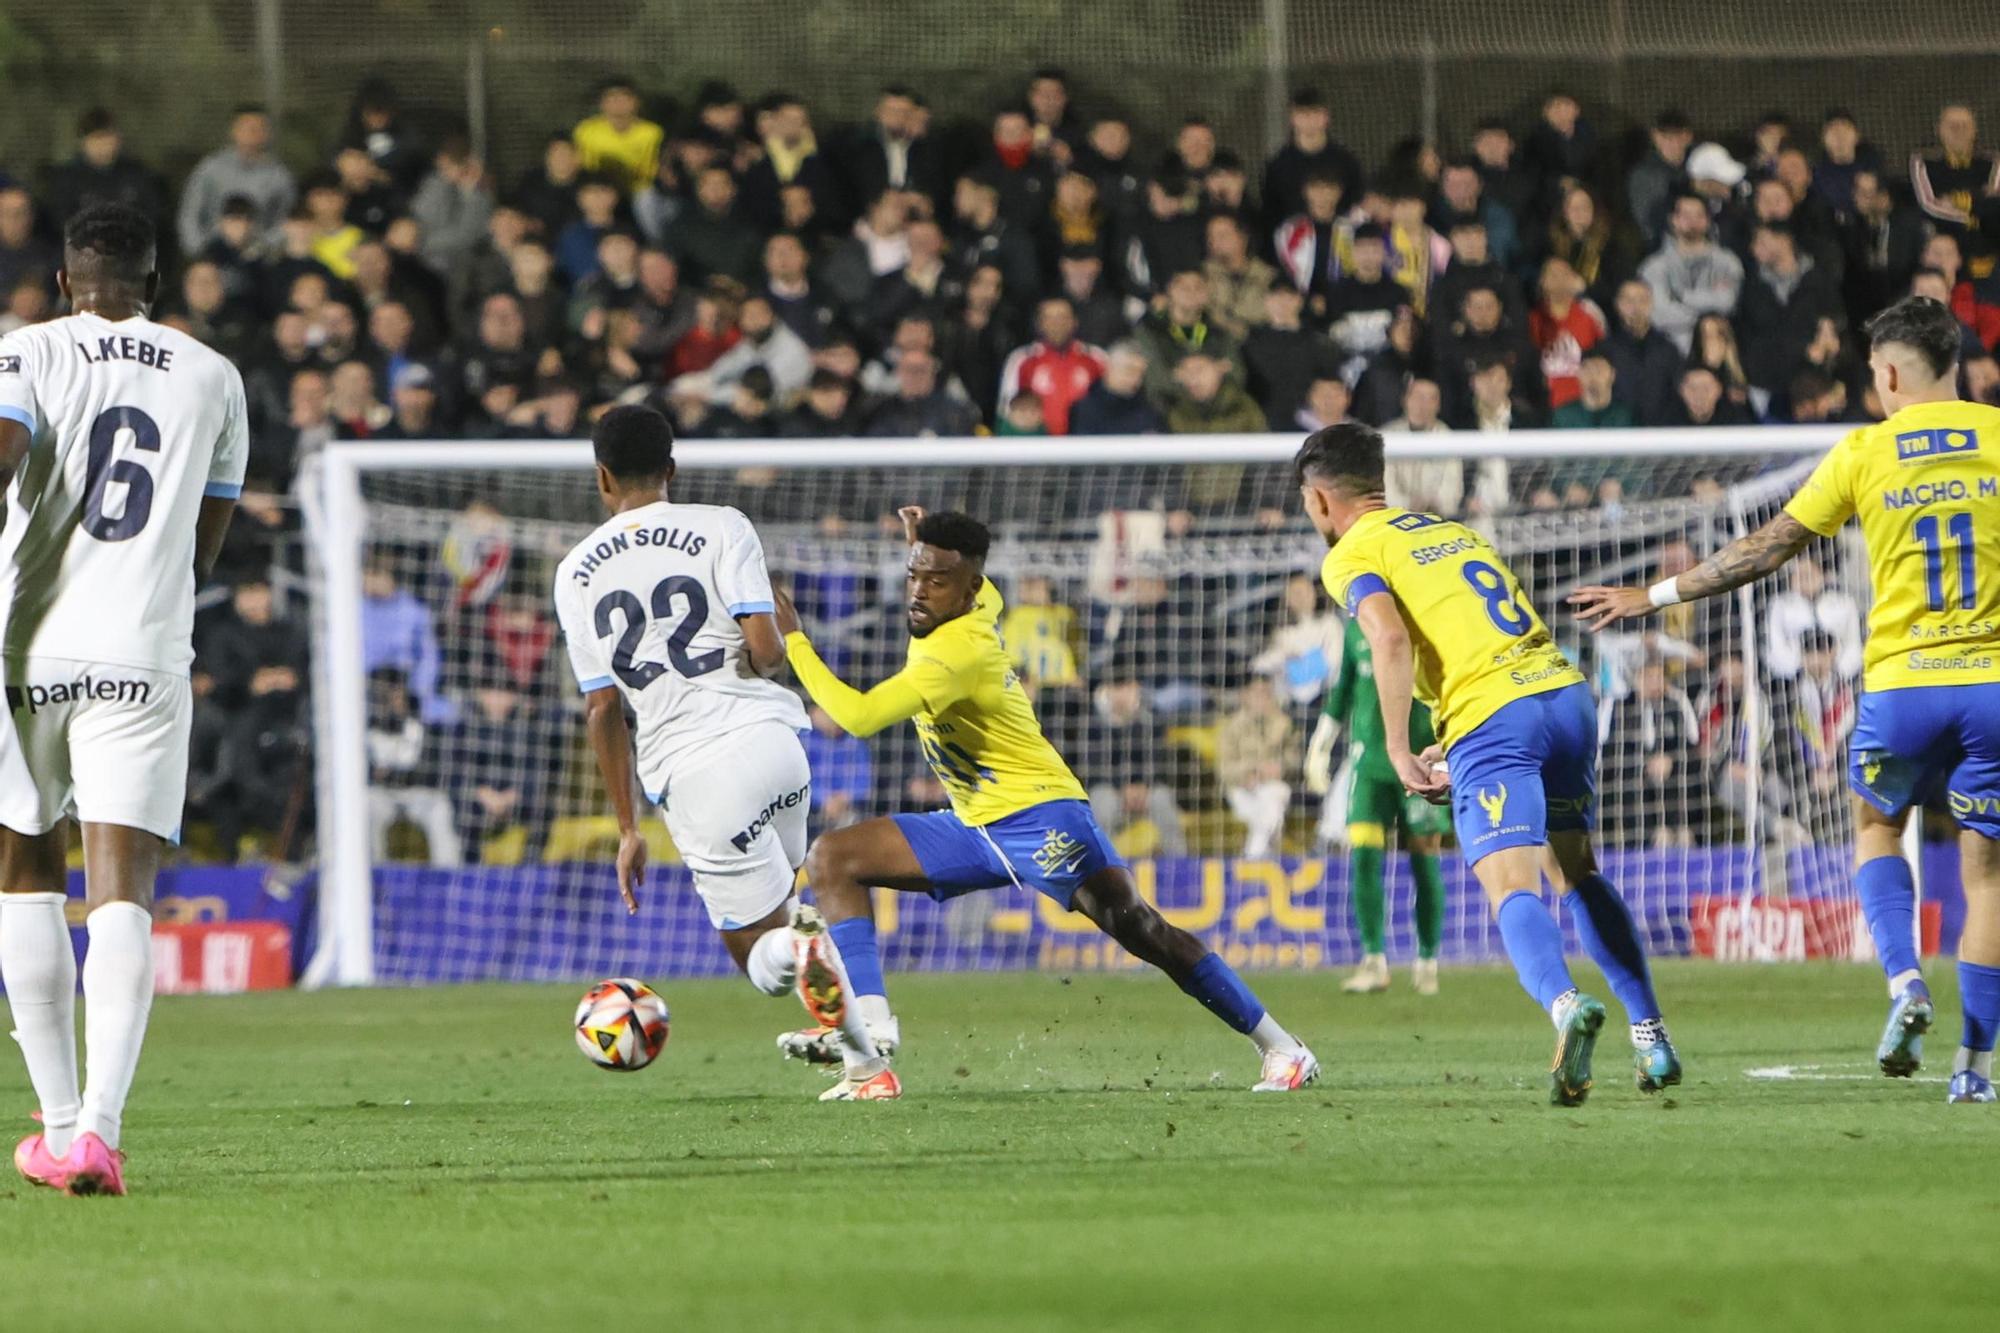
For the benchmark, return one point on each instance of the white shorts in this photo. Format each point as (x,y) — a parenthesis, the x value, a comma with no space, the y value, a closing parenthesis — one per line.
(738,818)
(107,744)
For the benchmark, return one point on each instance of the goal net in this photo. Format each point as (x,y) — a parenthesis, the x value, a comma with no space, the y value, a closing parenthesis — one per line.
(1164,612)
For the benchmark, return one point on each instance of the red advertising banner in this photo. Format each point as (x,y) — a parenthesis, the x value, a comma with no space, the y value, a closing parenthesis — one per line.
(216,958)
(1790,930)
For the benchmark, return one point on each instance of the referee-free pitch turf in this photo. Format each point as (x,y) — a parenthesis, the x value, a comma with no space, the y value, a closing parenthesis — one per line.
(1072,1152)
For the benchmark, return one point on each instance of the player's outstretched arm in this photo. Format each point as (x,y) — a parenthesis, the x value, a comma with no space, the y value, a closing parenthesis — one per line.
(1742,561)
(1395,690)
(856,712)
(911,516)
(611,741)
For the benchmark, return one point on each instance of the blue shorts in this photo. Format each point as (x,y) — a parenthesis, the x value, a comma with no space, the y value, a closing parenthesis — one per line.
(1051,848)
(1909,746)
(1527,771)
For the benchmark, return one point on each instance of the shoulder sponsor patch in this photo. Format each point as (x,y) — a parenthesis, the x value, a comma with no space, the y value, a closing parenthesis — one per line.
(1411,522)
(1914,446)
(10,365)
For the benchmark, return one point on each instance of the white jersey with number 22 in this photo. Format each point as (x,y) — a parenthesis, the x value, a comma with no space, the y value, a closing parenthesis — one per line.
(133,424)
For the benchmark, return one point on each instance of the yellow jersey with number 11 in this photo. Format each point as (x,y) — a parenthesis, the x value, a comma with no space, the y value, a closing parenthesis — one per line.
(1926,486)
(1478,643)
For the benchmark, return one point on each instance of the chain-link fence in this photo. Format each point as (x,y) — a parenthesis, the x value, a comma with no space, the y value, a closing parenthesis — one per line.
(515,71)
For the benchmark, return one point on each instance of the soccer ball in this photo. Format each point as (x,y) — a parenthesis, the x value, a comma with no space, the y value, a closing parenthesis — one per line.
(621,1024)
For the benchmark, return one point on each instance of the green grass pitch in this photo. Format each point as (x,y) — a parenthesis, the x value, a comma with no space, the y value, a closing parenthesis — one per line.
(1071,1153)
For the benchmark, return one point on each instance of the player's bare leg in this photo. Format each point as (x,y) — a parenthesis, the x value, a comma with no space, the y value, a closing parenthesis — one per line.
(1512,879)
(120,865)
(788,952)
(1111,900)
(1425,849)
(1888,891)
(1612,940)
(39,969)
(1978,969)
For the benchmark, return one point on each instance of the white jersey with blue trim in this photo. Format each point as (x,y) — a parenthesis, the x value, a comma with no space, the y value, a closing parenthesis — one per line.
(649,605)
(133,423)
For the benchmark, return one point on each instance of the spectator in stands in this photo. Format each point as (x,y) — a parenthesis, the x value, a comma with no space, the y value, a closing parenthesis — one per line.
(789,288)
(246,169)
(24,256)
(1661,174)
(357,413)
(618,141)
(764,343)
(1734,718)
(1980,376)
(1100,314)
(1591,241)
(1500,178)
(333,236)
(1209,402)
(825,411)
(1303,655)
(1328,403)
(1124,766)
(1808,606)
(1812,226)
(1816,710)
(1715,348)
(1417,252)
(1843,157)
(1703,403)
(1473,266)
(414,402)
(1364,301)
(1970,302)
(791,160)
(1650,763)
(1430,485)
(1042,636)
(843,773)
(452,206)
(255,664)
(402,773)
(1957,182)
(1492,404)
(1483,334)
(1180,329)
(498,764)
(1882,242)
(372,197)
(1596,406)
(596,214)
(1021,416)
(1282,357)
(976,338)
(1646,363)
(375,125)
(1309,149)
(1117,404)
(1056,368)
(919,406)
(240,252)
(548,192)
(1564,325)
(1308,243)
(891,152)
(984,234)
(1817,397)
(499,353)
(28,303)
(712,239)
(1690,274)
(1237,280)
(101,172)
(1461,202)
(1076,218)
(397,633)
(1560,150)
(1012,167)
(1378,394)
(1252,754)
(1783,302)
(925,283)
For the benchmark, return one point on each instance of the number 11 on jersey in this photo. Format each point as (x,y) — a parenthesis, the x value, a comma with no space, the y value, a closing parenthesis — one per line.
(1957,535)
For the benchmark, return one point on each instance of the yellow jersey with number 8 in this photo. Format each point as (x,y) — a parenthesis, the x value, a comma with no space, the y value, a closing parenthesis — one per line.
(1478,643)
(1926,486)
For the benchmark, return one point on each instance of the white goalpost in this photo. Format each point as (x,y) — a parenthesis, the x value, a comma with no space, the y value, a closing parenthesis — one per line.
(1151,582)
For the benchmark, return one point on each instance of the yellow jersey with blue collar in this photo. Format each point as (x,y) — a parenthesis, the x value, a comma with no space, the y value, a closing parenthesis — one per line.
(1477,641)
(978,729)
(1926,487)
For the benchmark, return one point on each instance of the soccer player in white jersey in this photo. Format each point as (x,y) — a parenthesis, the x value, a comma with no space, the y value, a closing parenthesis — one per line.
(124,443)
(668,607)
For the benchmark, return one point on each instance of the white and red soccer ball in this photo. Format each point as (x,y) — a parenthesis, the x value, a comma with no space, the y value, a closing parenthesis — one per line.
(621,1024)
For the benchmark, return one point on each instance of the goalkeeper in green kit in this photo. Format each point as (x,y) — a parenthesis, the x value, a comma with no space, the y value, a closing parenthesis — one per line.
(1376,805)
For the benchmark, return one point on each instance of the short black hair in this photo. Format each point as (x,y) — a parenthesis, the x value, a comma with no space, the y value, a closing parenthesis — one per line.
(110,240)
(634,443)
(1347,455)
(951,531)
(94,121)
(1925,326)
(1672,120)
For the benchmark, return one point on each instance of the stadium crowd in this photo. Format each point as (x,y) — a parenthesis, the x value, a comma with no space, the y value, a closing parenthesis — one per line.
(756,271)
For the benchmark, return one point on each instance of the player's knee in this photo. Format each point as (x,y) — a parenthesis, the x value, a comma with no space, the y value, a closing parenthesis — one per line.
(833,869)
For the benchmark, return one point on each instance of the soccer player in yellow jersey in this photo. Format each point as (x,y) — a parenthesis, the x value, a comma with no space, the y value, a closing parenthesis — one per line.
(1018,815)
(1926,486)
(618,141)
(1447,623)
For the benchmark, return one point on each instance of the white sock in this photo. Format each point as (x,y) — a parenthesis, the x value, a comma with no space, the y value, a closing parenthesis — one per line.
(1649,1032)
(770,966)
(1561,1006)
(1902,981)
(40,973)
(875,1011)
(1269,1036)
(1979,1062)
(117,997)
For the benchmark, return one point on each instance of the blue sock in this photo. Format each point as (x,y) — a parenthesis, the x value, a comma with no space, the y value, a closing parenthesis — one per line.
(1223,993)
(1889,902)
(1612,941)
(1535,944)
(855,938)
(1979,993)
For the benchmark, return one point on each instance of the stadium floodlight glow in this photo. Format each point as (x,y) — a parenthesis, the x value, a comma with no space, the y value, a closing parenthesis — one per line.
(1072,510)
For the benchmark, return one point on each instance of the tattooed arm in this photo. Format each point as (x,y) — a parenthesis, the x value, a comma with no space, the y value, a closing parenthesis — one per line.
(1743,561)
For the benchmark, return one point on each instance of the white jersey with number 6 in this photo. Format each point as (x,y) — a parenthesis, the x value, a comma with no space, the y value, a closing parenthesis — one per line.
(648,603)
(133,424)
